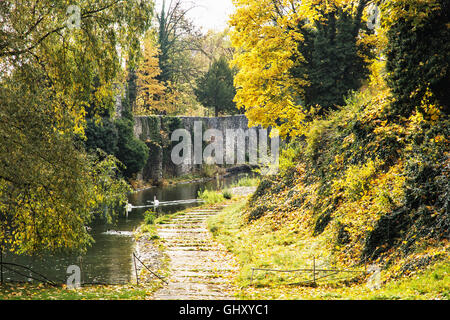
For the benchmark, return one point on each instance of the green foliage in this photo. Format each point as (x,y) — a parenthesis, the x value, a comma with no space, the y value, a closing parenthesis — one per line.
(149,217)
(101,135)
(211,196)
(369,188)
(356,181)
(227,194)
(117,138)
(334,60)
(427,181)
(418,60)
(132,152)
(51,77)
(215,89)
(46,292)
(246,182)
(259,245)
(210,170)
(130,94)
(185,53)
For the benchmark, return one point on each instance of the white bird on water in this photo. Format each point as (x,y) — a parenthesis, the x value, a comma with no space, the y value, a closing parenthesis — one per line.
(155,201)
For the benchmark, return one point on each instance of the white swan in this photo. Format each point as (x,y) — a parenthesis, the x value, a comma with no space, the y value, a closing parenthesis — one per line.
(155,201)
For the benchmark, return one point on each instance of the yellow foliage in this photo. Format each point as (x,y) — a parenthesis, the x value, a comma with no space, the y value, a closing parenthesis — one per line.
(153,95)
(355,182)
(266,36)
(415,10)
(266,46)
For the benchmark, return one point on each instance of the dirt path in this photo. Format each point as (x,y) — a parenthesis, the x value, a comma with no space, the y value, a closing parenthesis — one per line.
(200,268)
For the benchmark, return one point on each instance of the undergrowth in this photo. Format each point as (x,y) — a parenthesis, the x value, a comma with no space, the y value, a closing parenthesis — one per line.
(358,189)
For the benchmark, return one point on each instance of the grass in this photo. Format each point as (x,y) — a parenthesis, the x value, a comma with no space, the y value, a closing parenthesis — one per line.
(27,291)
(151,222)
(259,245)
(149,217)
(185,178)
(246,182)
(211,196)
(44,292)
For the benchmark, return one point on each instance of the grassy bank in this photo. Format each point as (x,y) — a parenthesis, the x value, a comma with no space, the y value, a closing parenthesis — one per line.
(145,236)
(261,245)
(44,292)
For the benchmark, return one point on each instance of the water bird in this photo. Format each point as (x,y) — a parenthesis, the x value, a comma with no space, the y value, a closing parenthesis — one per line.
(155,201)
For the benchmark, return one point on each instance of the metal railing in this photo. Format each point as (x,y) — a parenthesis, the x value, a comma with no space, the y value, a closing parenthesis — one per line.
(147,268)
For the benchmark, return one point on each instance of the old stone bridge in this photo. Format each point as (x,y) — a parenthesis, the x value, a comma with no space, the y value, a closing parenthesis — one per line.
(157,133)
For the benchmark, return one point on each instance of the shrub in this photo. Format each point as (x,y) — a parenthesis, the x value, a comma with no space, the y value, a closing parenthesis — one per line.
(227,194)
(101,135)
(357,180)
(149,217)
(117,138)
(132,152)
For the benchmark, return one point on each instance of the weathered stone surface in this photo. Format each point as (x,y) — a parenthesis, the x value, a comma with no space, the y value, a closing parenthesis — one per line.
(201,269)
(153,130)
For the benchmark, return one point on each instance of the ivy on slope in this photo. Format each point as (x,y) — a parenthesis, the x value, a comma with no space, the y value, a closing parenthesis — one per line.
(374,189)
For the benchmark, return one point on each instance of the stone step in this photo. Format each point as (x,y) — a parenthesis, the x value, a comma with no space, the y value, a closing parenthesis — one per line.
(191,248)
(205,274)
(199,280)
(183,226)
(186,242)
(191,297)
(200,269)
(195,288)
(187,238)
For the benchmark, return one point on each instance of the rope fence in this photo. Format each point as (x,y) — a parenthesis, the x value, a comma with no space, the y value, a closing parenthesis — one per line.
(314,271)
(147,268)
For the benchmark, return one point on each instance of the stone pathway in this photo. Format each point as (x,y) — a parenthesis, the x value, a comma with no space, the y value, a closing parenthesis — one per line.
(201,269)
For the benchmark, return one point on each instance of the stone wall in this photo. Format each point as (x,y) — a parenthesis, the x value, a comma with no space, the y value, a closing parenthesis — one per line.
(156,132)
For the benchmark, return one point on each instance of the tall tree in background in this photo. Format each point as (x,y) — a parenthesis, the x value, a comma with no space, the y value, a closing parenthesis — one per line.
(215,89)
(179,42)
(175,32)
(333,61)
(151,91)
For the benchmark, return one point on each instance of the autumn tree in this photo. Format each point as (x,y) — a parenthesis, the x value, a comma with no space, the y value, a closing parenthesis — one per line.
(174,31)
(57,64)
(182,53)
(150,90)
(210,47)
(267,39)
